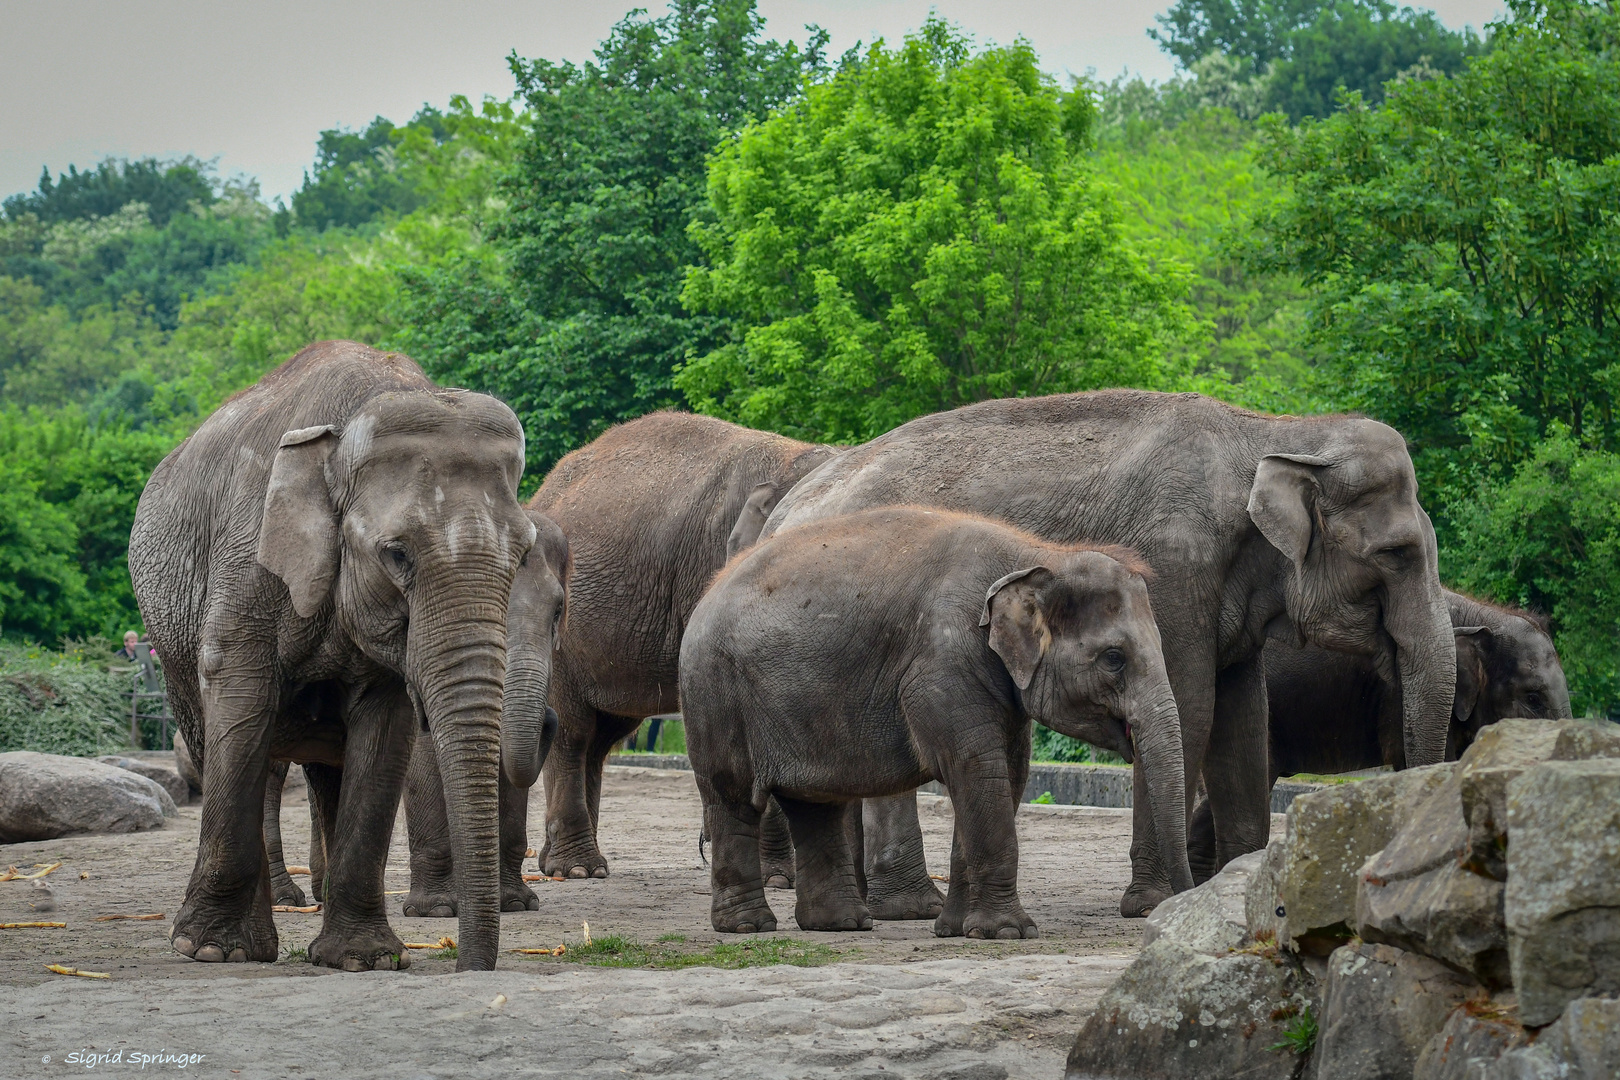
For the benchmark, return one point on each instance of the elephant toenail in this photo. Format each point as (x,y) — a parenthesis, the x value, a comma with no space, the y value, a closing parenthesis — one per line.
(975,933)
(443,911)
(383,963)
(354,963)
(183,946)
(746,928)
(600,871)
(404,960)
(777,881)
(1008,933)
(210,954)
(578,871)
(1031,933)
(238,956)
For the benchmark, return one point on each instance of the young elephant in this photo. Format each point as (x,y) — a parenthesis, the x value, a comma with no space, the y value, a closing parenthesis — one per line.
(863,655)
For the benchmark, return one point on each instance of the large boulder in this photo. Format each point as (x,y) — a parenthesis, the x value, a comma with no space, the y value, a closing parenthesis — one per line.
(43,796)
(167,779)
(1263,909)
(1563,885)
(1473,1037)
(1381,1008)
(1330,836)
(1420,894)
(1499,755)
(1583,1045)
(1199,1000)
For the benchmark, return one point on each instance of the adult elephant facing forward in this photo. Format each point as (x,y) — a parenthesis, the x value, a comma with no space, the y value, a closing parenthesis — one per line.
(1254,525)
(652,509)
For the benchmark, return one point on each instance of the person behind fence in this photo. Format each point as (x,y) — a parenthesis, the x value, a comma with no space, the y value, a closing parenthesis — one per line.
(131,652)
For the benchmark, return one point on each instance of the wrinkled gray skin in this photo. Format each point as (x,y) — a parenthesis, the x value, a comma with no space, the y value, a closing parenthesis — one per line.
(1253,525)
(1337,712)
(534,618)
(863,655)
(648,508)
(324,567)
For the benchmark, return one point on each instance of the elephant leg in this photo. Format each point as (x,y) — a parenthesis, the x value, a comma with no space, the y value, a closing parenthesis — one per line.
(737,902)
(609,730)
(775,847)
(829,892)
(515,895)
(897,882)
(1237,769)
(573,768)
(355,934)
(226,912)
(283,890)
(1201,841)
(984,791)
(323,783)
(953,914)
(427,823)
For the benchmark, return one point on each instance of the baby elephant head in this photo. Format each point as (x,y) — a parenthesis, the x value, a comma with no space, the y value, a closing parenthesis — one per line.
(1510,670)
(1078,639)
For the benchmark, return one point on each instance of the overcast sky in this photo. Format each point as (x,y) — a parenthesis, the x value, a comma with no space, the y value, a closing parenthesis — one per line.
(253,83)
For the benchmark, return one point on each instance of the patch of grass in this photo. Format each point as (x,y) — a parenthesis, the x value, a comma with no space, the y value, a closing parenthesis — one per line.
(295,956)
(616,951)
(446,954)
(1044,799)
(1299,1037)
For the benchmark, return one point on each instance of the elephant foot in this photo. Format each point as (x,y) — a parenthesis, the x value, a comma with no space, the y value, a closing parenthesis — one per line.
(836,914)
(581,860)
(516,896)
(1009,924)
(367,947)
(750,915)
(778,881)
(288,893)
(913,900)
(215,938)
(430,902)
(1140,900)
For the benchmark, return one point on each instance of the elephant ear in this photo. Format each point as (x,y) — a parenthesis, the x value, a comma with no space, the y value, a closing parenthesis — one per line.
(1471,642)
(1018,630)
(761,501)
(1282,502)
(298,534)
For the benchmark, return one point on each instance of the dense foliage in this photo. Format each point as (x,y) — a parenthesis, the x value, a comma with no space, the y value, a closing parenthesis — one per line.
(920,231)
(572,312)
(62,702)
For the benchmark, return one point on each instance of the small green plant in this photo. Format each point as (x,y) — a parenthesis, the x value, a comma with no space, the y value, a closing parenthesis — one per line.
(1299,1037)
(1045,799)
(616,951)
(668,938)
(446,954)
(295,956)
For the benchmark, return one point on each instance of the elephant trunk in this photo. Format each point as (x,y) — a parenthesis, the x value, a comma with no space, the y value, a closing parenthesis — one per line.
(456,660)
(527,725)
(1156,731)
(1426,659)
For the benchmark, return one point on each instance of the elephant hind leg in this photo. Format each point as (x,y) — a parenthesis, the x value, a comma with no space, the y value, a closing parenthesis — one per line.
(573,778)
(283,890)
(323,783)
(775,847)
(737,902)
(897,883)
(830,895)
(427,823)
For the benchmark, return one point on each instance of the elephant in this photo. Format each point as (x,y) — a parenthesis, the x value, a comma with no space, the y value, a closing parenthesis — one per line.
(324,566)
(535,614)
(863,655)
(652,509)
(1254,525)
(1336,712)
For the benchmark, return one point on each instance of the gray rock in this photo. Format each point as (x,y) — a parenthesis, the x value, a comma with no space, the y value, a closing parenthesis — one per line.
(1331,835)
(1380,1009)
(168,779)
(1178,1012)
(1263,908)
(1563,886)
(43,796)
(1583,1045)
(1415,894)
(1473,1038)
(1210,917)
(186,766)
(1501,753)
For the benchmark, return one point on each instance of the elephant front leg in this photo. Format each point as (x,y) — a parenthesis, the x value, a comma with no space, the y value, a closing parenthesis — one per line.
(283,890)
(226,913)
(984,852)
(427,824)
(355,934)
(1237,771)
(830,895)
(775,847)
(897,882)
(736,894)
(570,849)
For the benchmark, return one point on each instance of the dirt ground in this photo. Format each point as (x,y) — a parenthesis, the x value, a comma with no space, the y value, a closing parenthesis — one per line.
(1013,1006)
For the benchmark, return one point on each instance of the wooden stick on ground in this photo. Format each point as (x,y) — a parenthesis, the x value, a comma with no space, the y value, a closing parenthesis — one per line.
(61,970)
(310,910)
(131,918)
(32,925)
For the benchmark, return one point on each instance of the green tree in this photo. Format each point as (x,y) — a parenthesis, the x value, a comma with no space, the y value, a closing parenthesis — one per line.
(572,312)
(166,188)
(357,178)
(919,232)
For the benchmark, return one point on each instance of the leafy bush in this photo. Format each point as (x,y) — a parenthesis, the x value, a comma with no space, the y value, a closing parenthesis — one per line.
(61,702)
(1049,745)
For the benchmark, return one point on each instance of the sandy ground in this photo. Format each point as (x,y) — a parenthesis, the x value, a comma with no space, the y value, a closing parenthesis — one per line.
(895,1002)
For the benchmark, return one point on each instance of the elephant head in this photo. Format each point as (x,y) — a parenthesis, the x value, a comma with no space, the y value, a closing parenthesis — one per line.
(1506,670)
(534,618)
(1079,640)
(1364,576)
(404,529)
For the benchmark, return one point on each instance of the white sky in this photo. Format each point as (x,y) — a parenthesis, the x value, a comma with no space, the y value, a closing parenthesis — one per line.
(253,83)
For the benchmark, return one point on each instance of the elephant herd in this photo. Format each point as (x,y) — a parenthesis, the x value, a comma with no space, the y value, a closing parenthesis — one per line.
(336,571)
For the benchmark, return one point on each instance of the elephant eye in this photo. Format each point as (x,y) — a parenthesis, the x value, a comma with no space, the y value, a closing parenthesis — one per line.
(1112,660)
(397,556)
(1535,702)
(1398,553)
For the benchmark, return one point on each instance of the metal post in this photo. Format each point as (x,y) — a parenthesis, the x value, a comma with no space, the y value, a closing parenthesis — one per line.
(135,718)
